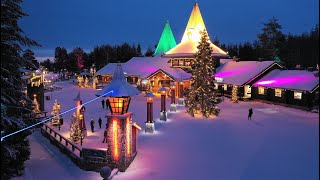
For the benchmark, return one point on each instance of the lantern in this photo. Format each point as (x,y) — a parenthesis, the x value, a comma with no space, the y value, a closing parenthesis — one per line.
(119,105)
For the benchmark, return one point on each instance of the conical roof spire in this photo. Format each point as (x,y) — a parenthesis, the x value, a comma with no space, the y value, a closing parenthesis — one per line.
(195,25)
(191,37)
(166,42)
(77,98)
(119,86)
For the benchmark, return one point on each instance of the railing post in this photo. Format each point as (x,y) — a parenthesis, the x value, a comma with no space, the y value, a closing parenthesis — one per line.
(60,138)
(73,148)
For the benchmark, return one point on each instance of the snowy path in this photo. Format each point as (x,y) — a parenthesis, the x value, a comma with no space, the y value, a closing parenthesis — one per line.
(279,143)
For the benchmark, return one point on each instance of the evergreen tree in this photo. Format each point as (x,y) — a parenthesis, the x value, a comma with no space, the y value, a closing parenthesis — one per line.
(32,63)
(60,58)
(234,96)
(138,52)
(149,52)
(75,132)
(15,149)
(36,108)
(55,111)
(202,96)
(271,39)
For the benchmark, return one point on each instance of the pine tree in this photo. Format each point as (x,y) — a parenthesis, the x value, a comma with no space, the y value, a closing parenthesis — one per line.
(28,56)
(202,96)
(75,132)
(86,82)
(15,149)
(55,111)
(234,96)
(36,105)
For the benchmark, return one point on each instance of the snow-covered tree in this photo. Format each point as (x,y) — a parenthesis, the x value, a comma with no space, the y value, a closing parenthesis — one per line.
(75,131)
(55,111)
(234,94)
(95,82)
(202,96)
(15,149)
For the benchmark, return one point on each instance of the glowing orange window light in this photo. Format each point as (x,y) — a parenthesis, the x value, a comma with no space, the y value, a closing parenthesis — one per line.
(128,137)
(115,139)
(119,105)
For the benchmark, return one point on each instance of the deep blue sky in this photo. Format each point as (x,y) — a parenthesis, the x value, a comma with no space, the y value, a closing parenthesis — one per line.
(80,23)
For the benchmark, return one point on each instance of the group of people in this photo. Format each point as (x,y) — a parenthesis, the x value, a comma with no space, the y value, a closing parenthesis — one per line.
(100,124)
(105,102)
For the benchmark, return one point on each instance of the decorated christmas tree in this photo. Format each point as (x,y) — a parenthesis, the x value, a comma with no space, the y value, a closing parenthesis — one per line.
(86,82)
(55,111)
(36,108)
(234,96)
(95,82)
(75,132)
(202,98)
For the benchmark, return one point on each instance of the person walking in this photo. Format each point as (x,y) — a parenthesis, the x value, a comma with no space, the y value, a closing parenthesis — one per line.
(105,135)
(102,102)
(107,103)
(250,113)
(100,122)
(92,125)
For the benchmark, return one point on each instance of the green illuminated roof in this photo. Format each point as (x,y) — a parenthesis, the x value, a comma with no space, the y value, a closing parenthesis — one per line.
(166,41)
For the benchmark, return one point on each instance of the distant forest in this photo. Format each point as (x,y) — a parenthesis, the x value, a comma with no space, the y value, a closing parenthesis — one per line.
(271,44)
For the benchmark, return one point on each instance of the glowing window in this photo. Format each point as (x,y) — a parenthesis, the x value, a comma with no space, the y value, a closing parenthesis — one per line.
(277,92)
(261,90)
(297,95)
(225,87)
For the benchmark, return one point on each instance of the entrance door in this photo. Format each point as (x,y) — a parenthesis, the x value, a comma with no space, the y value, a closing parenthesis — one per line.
(247,91)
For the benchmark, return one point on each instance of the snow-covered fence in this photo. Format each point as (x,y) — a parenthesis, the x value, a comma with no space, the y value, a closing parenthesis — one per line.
(63,143)
(86,159)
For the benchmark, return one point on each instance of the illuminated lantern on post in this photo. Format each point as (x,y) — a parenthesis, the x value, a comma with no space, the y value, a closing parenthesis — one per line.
(163,112)
(181,99)
(80,114)
(173,106)
(121,132)
(150,123)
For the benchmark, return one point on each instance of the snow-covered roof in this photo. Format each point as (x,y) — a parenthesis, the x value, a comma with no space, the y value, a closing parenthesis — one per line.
(240,72)
(145,66)
(289,79)
(118,87)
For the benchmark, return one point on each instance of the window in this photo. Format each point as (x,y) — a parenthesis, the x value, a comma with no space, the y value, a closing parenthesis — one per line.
(215,86)
(261,90)
(277,92)
(297,95)
(225,87)
(181,62)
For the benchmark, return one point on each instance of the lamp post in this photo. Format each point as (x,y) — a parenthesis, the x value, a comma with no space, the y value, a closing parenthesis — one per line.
(163,112)
(121,132)
(173,106)
(181,99)
(150,123)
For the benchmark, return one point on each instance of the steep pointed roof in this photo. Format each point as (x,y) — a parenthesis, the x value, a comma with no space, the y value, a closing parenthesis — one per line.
(191,37)
(166,41)
(77,98)
(118,85)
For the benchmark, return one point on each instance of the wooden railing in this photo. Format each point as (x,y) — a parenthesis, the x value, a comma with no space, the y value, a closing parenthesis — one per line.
(69,145)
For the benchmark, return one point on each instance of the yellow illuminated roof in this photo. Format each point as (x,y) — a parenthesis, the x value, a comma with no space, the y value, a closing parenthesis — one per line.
(191,37)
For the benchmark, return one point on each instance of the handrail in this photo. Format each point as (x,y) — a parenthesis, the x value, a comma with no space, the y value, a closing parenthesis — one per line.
(73,146)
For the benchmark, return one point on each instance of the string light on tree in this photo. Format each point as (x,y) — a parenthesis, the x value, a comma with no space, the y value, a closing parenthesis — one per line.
(55,111)
(202,97)
(234,96)
(36,104)
(75,132)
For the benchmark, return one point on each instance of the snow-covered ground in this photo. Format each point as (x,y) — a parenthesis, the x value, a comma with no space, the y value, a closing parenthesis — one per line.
(278,143)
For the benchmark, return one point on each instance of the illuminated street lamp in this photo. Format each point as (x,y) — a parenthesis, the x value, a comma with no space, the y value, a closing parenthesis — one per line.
(150,123)
(121,132)
(163,112)
(181,99)
(173,106)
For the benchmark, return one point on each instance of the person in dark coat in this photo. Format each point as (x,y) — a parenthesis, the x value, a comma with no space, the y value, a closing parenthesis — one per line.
(105,135)
(107,103)
(250,113)
(92,125)
(100,122)
(102,102)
